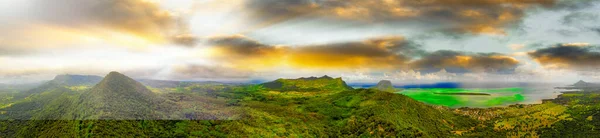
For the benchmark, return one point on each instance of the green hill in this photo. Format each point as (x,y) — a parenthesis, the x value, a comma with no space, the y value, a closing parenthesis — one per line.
(121,107)
(119,97)
(368,112)
(51,104)
(75,80)
(61,81)
(52,100)
(324,83)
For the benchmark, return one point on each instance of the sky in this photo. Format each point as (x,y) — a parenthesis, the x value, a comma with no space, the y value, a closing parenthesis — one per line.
(260,40)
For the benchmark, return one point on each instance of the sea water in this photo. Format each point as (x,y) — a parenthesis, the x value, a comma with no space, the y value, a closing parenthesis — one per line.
(455,95)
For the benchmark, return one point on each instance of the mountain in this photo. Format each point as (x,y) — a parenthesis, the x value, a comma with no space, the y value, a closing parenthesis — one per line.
(385,85)
(51,104)
(18,87)
(374,113)
(75,80)
(324,83)
(119,97)
(121,106)
(61,81)
(582,83)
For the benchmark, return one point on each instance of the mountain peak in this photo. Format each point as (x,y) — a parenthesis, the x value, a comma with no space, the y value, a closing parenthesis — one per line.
(114,73)
(119,97)
(581,83)
(385,85)
(315,78)
(117,82)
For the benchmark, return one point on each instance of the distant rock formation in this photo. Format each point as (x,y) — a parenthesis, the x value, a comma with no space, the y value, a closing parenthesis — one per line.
(582,83)
(385,85)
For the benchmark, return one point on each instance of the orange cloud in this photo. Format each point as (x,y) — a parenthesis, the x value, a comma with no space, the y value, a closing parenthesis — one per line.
(131,23)
(386,53)
(375,53)
(463,16)
(460,62)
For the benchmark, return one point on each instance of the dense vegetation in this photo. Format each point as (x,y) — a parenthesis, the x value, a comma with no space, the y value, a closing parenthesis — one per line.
(306,107)
(310,84)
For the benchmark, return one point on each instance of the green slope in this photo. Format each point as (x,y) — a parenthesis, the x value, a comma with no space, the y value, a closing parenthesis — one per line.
(311,84)
(51,104)
(367,112)
(62,81)
(119,97)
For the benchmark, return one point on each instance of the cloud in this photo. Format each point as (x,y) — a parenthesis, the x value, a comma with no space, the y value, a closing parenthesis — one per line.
(239,46)
(575,44)
(577,18)
(536,45)
(378,53)
(516,46)
(194,71)
(462,16)
(461,62)
(384,53)
(579,22)
(597,30)
(574,5)
(140,17)
(126,22)
(185,39)
(574,56)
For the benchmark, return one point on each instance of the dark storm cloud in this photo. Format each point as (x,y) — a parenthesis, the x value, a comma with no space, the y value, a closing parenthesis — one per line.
(568,56)
(461,62)
(464,16)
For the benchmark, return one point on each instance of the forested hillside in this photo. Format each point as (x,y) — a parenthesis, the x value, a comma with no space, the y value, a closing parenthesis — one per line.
(119,106)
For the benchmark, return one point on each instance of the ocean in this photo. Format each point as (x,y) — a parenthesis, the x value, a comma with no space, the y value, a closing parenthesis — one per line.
(477,94)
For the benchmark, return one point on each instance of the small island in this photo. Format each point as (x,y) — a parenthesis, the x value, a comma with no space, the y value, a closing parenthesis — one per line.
(463,93)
